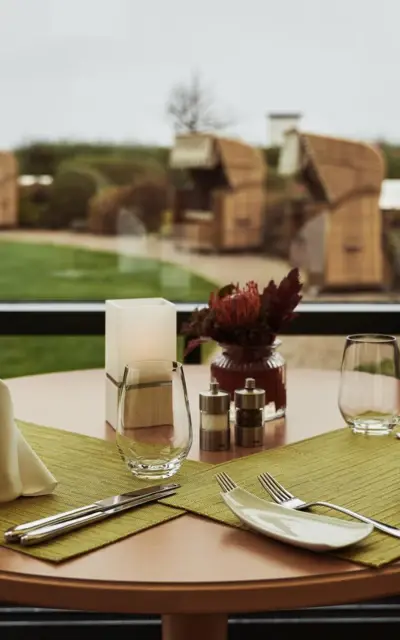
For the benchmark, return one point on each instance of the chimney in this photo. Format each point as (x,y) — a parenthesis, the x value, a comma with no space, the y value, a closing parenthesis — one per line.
(279,124)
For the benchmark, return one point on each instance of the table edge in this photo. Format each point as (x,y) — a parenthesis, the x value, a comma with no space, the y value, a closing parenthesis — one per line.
(252,596)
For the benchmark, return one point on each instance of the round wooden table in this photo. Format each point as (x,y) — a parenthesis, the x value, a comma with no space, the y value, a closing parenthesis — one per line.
(190,570)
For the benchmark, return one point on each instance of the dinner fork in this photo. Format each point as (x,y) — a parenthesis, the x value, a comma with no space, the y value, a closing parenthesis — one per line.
(283,497)
(225,482)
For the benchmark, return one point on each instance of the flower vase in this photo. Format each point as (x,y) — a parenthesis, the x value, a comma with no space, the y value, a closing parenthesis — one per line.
(265,364)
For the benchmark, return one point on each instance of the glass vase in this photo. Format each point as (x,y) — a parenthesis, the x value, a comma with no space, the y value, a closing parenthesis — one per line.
(264,363)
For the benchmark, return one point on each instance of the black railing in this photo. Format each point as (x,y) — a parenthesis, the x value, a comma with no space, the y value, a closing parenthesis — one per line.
(88,318)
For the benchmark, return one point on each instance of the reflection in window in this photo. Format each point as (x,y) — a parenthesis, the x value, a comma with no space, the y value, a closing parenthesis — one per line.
(143,153)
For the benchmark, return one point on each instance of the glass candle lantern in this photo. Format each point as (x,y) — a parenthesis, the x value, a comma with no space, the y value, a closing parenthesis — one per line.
(137,330)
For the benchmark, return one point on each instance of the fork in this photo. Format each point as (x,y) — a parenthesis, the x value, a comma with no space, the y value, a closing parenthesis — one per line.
(283,497)
(225,482)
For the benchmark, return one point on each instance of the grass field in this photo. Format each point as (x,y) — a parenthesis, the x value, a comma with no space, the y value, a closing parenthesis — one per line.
(46,272)
(49,272)
(29,355)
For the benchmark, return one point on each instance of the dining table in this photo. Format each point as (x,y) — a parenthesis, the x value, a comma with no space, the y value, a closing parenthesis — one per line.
(190,570)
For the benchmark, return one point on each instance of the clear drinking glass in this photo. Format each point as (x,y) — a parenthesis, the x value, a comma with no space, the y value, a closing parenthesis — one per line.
(369,384)
(154,431)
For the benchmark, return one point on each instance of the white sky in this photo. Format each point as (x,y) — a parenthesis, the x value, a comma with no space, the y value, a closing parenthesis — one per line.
(102,69)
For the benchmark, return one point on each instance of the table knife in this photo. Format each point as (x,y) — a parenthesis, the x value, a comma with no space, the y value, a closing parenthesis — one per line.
(50,531)
(14,534)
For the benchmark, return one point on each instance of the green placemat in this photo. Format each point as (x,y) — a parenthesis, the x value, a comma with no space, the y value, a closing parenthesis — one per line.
(87,469)
(361,473)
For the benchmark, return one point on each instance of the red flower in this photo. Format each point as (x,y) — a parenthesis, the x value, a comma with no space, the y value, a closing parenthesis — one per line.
(241,307)
(244,316)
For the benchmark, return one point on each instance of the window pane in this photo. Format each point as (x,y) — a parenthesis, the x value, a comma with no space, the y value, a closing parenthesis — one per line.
(108,190)
(30,355)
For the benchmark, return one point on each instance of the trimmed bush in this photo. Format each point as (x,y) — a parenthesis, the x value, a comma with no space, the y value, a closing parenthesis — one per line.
(104,208)
(73,187)
(121,170)
(150,200)
(37,159)
(33,206)
(144,202)
(46,157)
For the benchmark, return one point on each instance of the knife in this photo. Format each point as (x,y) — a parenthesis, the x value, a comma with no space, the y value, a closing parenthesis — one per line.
(48,532)
(14,534)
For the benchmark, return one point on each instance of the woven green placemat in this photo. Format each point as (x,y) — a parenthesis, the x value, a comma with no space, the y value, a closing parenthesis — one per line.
(361,473)
(87,469)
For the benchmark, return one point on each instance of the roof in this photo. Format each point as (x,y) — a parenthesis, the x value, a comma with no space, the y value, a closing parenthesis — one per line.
(289,114)
(342,166)
(390,195)
(242,163)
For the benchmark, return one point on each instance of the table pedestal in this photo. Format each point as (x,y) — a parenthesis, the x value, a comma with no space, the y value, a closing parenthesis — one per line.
(195,627)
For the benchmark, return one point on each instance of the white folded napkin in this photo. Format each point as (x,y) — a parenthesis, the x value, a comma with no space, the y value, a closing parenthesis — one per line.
(22,473)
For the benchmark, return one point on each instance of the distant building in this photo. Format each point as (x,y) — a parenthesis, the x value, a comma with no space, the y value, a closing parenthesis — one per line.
(336,237)
(29,181)
(279,124)
(223,209)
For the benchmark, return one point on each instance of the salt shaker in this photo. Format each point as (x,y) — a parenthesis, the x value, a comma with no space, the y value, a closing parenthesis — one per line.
(214,419)
(249,415)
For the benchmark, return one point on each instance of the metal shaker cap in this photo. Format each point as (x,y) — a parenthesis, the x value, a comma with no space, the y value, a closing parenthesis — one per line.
(214,400)
(250,397)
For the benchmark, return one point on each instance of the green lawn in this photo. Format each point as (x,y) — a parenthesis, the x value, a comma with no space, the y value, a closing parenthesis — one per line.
(47,272)
(28,355)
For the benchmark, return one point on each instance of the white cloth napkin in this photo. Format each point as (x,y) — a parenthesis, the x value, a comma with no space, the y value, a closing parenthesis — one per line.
(22,473)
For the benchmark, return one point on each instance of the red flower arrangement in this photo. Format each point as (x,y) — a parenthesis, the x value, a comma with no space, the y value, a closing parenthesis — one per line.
(245,316)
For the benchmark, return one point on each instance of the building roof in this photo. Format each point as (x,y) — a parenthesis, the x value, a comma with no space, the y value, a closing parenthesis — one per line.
(242,163)
(343,167)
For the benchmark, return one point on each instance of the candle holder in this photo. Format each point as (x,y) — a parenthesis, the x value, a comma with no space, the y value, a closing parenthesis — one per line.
(138,329)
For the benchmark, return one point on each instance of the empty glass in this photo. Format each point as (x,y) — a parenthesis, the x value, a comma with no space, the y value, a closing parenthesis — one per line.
(369,384)
(154,431)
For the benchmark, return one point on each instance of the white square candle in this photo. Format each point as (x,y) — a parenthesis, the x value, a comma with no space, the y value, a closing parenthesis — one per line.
(136,329)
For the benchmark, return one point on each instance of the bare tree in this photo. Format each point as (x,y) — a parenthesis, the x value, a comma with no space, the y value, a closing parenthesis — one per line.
(191,107)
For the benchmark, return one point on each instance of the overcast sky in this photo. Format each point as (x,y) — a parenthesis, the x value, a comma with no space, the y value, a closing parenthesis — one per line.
(102,69)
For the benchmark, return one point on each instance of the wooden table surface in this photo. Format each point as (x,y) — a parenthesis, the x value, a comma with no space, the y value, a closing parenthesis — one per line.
(190,566)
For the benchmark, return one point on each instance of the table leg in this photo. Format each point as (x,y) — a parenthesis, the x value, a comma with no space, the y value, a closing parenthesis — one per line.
(195,627)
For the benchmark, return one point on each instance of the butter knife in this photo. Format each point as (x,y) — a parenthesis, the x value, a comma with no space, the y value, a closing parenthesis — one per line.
(14,534)
(48,532)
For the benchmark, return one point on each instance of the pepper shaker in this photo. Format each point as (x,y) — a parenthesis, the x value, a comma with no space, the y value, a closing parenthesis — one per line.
(214,419)
(249,415)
